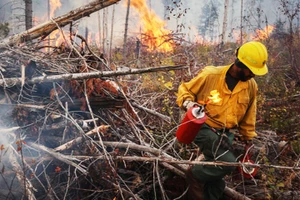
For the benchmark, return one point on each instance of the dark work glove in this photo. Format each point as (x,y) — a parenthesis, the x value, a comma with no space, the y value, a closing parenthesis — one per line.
(225,143)
(246,142)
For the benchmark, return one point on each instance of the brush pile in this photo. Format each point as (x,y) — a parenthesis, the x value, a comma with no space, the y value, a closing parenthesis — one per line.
(61,138)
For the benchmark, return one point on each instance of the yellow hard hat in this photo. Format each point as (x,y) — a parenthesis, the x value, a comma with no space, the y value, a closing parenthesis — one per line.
(254,55)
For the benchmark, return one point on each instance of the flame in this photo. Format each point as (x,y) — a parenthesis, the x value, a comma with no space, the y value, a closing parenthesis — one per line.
(54,4)
(214,97)
(90,37)
(261,34)
(97,39)
(199,39)
(59,38)
(236,35)
(56,38)
(35,20)
(156,36)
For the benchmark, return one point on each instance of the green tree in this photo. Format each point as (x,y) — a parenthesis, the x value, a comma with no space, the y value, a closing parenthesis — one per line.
(291,10)
(209,19)
(4,30)
(279,31)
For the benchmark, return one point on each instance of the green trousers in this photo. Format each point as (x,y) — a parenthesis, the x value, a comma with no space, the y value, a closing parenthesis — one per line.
(212,176)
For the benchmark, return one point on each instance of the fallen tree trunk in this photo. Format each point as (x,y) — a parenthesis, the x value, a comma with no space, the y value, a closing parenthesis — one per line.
(78,76)
(46,28)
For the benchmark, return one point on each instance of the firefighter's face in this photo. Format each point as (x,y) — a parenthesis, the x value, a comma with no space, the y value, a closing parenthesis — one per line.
(245,74)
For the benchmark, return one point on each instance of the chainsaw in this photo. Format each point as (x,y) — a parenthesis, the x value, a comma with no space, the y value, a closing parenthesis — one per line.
(247,171)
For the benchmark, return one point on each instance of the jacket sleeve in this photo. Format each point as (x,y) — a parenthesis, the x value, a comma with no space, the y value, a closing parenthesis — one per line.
(189,90)
(247,125)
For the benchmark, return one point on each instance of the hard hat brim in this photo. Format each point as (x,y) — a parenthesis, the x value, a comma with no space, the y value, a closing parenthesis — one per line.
(259,71)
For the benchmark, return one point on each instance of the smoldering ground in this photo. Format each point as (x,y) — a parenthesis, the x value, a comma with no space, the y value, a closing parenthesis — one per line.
(9,184)
(13,151)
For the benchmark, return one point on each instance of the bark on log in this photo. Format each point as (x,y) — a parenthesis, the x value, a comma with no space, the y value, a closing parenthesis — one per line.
(79,76)
(46,28)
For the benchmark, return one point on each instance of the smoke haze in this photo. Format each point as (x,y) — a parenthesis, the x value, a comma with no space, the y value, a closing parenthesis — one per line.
(182,16)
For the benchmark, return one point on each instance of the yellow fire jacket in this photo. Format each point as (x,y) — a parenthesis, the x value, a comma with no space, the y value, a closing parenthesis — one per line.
(237,109)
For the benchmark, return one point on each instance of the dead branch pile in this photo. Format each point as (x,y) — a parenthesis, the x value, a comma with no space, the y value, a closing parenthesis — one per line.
(58,122)
(97,136)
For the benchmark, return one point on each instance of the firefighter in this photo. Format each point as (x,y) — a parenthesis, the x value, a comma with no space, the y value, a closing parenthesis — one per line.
(237,109)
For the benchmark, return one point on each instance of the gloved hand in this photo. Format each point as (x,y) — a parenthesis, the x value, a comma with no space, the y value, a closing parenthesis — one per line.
(243,140)
(189,104)
(248,143)
(225,143)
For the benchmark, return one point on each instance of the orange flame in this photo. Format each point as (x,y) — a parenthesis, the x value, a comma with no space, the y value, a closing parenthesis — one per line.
(55,37)
(59,38)
(261,34)
(90,37)
(35,20)
(54,4)
(236,35)
(156,36)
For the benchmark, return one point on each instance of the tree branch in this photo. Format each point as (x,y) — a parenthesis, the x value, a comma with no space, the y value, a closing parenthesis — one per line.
(87,75)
